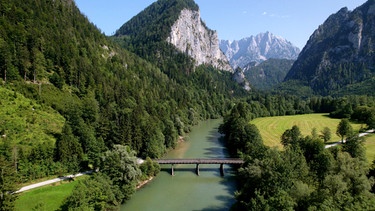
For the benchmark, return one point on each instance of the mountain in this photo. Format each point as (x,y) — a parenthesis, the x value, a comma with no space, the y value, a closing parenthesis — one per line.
(190,35)
(267,74)
(69,93)
(340,53)
(257,49)
(176,23)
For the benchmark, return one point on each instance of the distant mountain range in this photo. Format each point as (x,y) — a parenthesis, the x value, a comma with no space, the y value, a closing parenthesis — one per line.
(339,55)
(258,49)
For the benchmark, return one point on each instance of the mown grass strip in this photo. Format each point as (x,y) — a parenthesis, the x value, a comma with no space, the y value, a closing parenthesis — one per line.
(370,148)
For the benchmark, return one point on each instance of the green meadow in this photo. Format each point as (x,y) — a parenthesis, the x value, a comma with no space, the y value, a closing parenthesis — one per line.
(46,198)
(272,128)
(370,147)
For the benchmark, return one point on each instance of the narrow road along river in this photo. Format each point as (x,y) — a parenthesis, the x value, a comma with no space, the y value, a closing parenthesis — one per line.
(186,190)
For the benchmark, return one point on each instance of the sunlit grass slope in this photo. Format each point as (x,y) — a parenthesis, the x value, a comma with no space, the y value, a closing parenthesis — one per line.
(25,122)
(370,148)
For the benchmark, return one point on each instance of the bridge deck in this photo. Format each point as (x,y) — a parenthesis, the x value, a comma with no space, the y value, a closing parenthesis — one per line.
(201,161)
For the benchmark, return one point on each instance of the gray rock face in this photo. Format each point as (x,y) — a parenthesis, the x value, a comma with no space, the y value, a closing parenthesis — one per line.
(190,35)
(239,77)
(258,49)
(340,52)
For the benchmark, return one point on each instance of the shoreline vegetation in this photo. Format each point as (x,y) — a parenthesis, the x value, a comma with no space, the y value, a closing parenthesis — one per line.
(141,184)
(181,139)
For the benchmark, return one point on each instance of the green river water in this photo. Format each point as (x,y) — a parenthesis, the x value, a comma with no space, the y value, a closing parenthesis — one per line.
(186,190)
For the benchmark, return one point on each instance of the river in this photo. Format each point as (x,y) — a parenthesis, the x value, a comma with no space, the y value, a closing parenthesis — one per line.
(186,190)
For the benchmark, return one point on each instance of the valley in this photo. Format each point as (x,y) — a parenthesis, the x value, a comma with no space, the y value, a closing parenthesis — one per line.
(74,99)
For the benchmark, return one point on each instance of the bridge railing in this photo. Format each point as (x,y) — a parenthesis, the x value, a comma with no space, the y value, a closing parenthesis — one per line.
(221,161)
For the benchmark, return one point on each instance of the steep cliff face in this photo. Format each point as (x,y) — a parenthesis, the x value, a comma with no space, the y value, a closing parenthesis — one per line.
(258,49)
(190,35)
(340,52)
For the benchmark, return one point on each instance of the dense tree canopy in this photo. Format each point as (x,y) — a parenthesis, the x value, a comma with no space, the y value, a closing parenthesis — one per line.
(72,98)
(120,165)
(305,176)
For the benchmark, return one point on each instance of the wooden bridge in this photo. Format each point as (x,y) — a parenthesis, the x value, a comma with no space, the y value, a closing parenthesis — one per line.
(197,162)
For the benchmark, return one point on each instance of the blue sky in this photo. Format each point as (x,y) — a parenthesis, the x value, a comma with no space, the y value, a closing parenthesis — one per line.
(295,20)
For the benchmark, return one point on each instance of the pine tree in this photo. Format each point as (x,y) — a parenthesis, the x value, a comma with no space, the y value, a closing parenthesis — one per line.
(7,184)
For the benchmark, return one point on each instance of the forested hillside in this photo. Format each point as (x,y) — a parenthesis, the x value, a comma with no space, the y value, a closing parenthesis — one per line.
(53,58)
(147,34)
(73,99)
(267,74)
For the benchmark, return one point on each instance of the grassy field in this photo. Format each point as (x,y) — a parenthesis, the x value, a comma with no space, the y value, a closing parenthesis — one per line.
(271,128)
(370,148)
(47,198)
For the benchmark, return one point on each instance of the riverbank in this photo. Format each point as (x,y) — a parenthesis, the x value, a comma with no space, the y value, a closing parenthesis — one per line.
(180,140)
(208,191)
(143,183)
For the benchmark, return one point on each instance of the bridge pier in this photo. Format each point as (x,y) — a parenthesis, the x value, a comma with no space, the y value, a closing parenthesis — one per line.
(197,169)
(172,170)
(222,169)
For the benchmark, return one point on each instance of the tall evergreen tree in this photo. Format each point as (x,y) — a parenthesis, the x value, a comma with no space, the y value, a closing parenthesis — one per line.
(69,150)
(7,184)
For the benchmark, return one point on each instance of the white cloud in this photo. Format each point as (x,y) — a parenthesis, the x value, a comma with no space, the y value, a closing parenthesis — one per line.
(274,15)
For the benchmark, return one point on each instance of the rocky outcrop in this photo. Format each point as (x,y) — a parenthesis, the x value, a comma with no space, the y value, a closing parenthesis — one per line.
(239,77)
(191,36)
(258,49)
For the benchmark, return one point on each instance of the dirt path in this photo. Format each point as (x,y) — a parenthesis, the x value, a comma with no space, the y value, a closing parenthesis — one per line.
(360,135)
(51,181)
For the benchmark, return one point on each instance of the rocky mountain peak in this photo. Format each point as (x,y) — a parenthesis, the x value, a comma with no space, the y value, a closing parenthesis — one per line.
(257,49)
(340,52)
(191,36)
